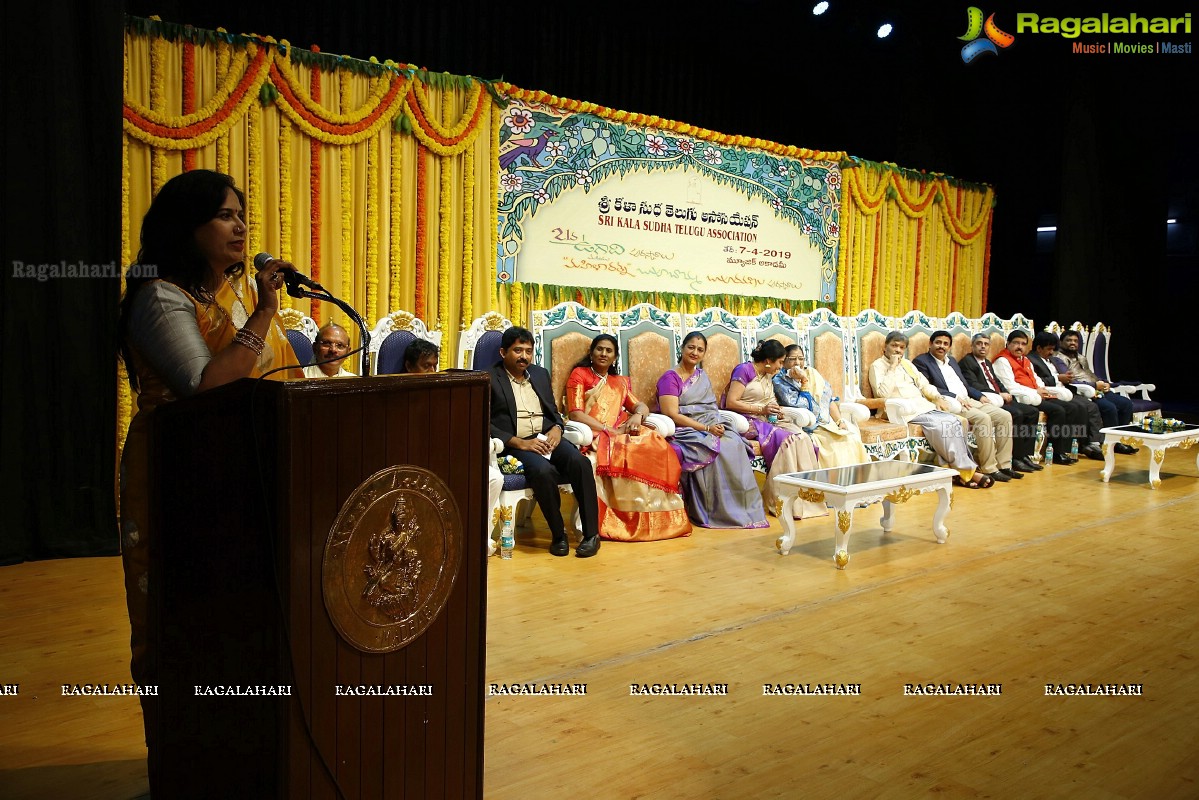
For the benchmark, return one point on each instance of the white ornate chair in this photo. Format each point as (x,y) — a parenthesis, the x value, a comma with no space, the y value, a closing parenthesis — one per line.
(865,335)
(390,338)
(1098,348)
(479,344)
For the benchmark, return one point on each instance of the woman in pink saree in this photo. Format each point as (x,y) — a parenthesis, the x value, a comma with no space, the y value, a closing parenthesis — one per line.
(636,471)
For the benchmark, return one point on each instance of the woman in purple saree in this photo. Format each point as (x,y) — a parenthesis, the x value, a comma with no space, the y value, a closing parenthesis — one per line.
(719,488)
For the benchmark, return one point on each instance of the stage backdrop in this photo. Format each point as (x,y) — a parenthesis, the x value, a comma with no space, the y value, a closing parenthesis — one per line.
(585,201)
(447,196)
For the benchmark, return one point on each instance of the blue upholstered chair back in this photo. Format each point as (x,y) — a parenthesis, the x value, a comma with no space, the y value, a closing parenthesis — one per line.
(1098,356)
(302,346)
(391,353)
(487,350)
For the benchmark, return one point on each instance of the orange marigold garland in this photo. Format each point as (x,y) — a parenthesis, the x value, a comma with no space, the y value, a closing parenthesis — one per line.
(314,160)
(421,309)
(189,97)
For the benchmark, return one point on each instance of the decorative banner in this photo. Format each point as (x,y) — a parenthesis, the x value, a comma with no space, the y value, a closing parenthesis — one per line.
(589,202)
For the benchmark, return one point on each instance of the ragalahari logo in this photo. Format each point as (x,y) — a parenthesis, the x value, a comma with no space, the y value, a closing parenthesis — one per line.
(974,28)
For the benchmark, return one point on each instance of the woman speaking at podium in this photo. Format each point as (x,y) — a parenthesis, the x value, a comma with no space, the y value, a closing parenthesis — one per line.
(191,320)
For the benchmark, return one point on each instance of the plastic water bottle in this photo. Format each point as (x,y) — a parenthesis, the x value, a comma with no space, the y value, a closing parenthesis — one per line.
(1049,453)
(1074,448)
(507,542)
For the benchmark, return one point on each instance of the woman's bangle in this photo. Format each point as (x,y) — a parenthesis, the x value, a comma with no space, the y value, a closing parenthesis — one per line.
(250,340)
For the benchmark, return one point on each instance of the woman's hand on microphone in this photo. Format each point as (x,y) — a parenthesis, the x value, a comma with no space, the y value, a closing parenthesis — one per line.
(270,280)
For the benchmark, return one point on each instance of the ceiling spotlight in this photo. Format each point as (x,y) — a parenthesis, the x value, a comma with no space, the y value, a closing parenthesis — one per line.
(820,8)
(884,30)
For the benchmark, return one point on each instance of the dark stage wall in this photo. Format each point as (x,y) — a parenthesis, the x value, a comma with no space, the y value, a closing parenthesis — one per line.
(1102,145)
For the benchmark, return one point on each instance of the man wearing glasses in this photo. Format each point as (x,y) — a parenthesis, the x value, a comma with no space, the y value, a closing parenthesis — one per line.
(330,349)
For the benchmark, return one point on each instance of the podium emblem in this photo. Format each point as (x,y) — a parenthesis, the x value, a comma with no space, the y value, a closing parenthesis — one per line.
(391,558)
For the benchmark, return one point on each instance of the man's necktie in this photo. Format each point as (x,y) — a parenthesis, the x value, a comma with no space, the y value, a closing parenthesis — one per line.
(991,377)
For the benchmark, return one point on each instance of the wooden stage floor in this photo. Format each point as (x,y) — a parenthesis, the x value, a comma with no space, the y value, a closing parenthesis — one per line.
(1056,579)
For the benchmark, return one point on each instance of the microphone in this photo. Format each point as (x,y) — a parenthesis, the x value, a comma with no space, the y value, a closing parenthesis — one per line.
(291,277)
(295,280)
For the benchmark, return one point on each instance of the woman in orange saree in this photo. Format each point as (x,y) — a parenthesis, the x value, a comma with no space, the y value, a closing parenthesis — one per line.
(636,470)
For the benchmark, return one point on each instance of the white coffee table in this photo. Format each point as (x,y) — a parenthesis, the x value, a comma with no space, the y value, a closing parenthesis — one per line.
(1157,443)
(844,488)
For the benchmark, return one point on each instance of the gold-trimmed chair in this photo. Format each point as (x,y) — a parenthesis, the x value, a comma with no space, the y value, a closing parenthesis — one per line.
(390,338)
(301,331)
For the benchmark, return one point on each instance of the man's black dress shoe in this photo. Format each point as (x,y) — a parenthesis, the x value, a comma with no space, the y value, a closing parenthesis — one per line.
(1064,460)
(560,547)
(1025,465)
(1011,472)
(1126,449)
(588,547)
(1000,476)
(1035,466)
(1092,452)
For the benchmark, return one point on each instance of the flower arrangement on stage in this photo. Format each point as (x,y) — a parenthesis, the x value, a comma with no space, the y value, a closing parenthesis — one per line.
(1162,424)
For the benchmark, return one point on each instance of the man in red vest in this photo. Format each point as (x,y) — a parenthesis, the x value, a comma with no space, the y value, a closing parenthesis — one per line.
(1016,375)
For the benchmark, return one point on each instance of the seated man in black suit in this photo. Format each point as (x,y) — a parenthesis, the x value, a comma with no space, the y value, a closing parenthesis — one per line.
(976,369)
(1044,345)
(524,417)
(991,425)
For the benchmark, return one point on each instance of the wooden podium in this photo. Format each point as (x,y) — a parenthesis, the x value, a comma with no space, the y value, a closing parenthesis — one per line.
(248,481)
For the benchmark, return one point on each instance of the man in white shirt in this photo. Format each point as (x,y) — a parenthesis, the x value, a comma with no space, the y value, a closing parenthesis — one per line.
(893,377)
(330,349)
(990,424)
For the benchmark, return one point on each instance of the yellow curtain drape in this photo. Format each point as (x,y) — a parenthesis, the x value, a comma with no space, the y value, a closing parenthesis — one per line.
(912,242)
(328,160)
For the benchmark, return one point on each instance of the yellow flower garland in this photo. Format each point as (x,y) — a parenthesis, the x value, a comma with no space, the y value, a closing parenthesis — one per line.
(254,210)
(230,70)
(468,233)
(381,86)
(224,55)
(347,227)
(395,247)
(472,108)
(285,229)
(158,158)
(443,244)
(124,393)
(372,230)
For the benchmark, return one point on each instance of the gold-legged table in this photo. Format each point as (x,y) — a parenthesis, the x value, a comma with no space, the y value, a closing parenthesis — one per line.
(1158,444)
(845,488)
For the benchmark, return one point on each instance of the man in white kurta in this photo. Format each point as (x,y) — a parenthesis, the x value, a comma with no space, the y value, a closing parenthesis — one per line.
(332,341)
(893,377)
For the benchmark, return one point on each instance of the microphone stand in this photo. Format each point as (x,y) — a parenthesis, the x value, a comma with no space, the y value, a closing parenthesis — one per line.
(299,291)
